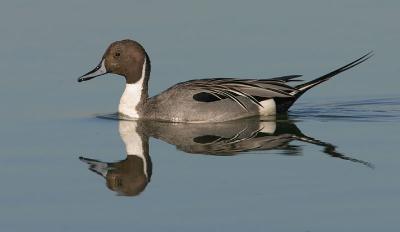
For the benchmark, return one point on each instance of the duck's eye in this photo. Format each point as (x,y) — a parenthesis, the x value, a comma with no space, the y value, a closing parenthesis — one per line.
(117,54)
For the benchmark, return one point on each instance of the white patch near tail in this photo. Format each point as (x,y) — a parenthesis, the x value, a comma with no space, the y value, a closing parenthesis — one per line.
(269,107)
(268,127)
(133,141)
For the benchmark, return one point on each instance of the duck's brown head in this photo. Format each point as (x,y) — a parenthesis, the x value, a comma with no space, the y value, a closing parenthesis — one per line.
(126,58)
(128,177)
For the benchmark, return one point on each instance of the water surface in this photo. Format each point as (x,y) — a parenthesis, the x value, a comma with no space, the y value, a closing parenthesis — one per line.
(331,165)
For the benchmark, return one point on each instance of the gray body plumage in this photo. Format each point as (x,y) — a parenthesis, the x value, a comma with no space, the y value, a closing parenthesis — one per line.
(222,99)
(231,98)
(177,104)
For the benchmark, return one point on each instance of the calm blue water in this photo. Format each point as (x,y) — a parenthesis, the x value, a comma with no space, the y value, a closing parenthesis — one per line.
(333,165)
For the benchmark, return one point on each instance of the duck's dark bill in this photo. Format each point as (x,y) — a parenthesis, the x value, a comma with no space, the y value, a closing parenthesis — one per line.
(98,71)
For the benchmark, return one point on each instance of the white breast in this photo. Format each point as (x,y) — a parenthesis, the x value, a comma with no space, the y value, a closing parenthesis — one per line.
(130,99)
(132,96)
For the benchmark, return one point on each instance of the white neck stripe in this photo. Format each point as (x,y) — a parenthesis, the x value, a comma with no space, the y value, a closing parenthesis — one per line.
(132,96)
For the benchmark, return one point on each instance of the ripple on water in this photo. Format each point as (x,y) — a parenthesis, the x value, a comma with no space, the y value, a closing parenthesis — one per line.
(371,110)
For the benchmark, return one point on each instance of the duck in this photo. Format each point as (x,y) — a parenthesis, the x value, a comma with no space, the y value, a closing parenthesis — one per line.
(200,100)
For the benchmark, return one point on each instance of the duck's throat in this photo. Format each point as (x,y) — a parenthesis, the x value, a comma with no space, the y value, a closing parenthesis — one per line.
(132,100)
(134,96)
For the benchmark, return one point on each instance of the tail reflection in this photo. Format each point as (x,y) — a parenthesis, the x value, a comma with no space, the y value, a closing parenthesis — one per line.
(231,138)
(129,177)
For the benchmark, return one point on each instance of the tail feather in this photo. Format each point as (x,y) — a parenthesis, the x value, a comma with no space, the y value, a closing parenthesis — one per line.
(302,88)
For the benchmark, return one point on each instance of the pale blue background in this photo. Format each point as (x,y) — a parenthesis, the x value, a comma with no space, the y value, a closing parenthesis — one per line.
(48,118)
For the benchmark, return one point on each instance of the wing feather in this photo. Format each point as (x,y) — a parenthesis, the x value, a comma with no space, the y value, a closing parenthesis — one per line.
(231,88)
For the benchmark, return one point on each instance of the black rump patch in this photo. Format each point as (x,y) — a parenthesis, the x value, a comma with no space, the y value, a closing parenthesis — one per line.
(283,104)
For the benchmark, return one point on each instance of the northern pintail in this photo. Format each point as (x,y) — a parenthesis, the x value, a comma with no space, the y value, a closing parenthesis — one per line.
(203,100)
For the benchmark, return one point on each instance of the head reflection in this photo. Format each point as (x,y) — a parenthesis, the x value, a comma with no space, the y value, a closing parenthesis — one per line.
(129,177)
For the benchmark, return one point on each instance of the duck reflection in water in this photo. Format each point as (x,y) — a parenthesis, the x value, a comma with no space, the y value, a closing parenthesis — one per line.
(130,176)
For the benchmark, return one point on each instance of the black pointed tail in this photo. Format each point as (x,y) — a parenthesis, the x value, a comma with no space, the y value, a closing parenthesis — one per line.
(306,86)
